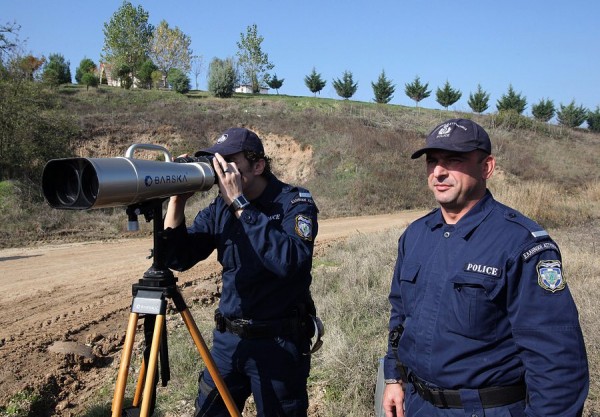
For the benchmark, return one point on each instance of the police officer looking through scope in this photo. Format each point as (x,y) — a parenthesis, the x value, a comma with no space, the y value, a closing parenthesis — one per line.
(482,321)
(263,231)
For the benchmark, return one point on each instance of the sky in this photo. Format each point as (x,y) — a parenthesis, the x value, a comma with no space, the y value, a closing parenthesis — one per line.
(545,49)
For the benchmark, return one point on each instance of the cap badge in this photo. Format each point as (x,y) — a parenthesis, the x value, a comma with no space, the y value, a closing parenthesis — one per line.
(222,139)
(445,130)
(550,276)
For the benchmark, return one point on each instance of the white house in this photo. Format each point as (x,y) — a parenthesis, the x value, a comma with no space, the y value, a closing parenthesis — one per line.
(247,89)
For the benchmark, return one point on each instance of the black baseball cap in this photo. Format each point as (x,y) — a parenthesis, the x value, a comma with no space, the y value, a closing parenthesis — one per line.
(456,135)
(234,140)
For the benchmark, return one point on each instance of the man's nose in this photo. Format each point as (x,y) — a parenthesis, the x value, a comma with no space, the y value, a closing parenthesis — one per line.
(439,170)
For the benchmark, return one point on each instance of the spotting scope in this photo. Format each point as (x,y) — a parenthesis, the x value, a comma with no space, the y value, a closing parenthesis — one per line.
(86,183)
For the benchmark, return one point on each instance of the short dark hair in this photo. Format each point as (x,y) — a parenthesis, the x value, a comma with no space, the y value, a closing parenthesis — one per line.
(252,157)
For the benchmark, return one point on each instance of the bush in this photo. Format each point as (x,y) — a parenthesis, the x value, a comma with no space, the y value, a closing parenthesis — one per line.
(221,78)
(178,81)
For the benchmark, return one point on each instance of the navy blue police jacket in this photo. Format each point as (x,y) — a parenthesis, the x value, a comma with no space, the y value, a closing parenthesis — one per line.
(266,254)
(484,303)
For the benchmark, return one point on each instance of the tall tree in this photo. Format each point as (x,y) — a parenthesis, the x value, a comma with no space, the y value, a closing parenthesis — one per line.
(275,83)
(383,89)
(571,115)
(127,38)
(170,48)
(512,101)
(85,66)
(544,110)
(57,71)
(252,60)
(478,101)
(593,120)
(314,82)
(416,90)
(345,87)
(447,96)
(197,67)
(221,77)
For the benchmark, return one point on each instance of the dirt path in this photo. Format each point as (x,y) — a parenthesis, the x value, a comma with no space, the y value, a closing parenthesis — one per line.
(64,307)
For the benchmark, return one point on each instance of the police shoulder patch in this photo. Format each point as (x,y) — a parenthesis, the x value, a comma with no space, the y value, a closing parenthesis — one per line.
(304,227)
(550,276)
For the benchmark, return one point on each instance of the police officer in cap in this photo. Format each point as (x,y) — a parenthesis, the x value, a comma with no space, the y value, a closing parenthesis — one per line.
(263,231)
(482,320)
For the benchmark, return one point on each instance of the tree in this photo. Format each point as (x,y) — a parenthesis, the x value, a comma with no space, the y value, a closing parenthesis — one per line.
(127,38)
(593,120)
(89,80)
(544,110)
(124,73)
(512,101)
(478,102)
(314,82)
(170,48)
(383,89)
(275,83)
(178,81)
(197,67)
(29,66)
(417,91)
(85,66)
(9,40)
(144,75)
(346,87)
(571,115)
(56,71)
(221,77)
(253,61)
(447,96)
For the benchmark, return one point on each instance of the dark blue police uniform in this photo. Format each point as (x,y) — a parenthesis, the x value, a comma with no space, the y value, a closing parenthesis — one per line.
(262,344)
(484,304)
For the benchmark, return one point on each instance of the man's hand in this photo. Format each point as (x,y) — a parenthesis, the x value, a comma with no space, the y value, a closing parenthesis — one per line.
(176,207)
(393,400)
(230,179)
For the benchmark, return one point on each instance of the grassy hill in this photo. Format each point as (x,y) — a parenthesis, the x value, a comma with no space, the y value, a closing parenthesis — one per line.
(353,156)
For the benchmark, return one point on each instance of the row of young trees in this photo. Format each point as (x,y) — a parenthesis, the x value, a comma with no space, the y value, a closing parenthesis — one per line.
(570,115)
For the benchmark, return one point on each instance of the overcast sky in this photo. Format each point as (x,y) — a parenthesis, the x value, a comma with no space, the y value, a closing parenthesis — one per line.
(544,48)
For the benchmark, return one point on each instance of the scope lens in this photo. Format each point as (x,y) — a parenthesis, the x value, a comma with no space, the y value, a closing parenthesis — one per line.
(89,183)
(66,181)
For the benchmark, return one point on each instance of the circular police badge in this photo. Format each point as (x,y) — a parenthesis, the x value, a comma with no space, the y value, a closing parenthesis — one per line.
(550,276)
(304,227)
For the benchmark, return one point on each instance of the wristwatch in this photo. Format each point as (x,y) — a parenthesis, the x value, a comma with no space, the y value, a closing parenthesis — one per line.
(393,381)
(239,203)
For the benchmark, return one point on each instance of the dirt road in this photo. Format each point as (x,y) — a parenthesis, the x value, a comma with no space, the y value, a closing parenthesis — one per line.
(64,308)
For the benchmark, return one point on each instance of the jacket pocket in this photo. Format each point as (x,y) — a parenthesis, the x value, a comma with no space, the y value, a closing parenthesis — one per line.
(408,288)
(470,308)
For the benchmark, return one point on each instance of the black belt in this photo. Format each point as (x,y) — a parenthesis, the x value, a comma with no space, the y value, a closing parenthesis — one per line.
(250,329)
(490,397)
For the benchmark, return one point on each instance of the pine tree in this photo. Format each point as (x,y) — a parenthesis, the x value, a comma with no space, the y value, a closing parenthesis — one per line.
(314,82)
(447,96)
(275,83)
(346,87)
(512,101)
(417,91)
(544,110)
(571,115)
(383,89)
(478,102)
(593,120)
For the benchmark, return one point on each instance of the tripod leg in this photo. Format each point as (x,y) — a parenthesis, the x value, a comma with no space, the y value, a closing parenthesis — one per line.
(140,384)
(152,365)
(117,403)
(209,362)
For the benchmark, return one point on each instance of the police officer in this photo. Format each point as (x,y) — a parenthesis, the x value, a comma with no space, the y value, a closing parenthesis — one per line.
(482,320)
(264,232)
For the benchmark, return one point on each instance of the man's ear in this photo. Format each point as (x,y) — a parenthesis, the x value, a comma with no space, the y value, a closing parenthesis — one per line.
(487,167)
(259,167)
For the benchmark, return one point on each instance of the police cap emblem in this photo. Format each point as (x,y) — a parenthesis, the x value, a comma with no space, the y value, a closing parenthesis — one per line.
(550,276)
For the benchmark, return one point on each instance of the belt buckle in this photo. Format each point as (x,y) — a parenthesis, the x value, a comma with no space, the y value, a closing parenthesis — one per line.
(239,327)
